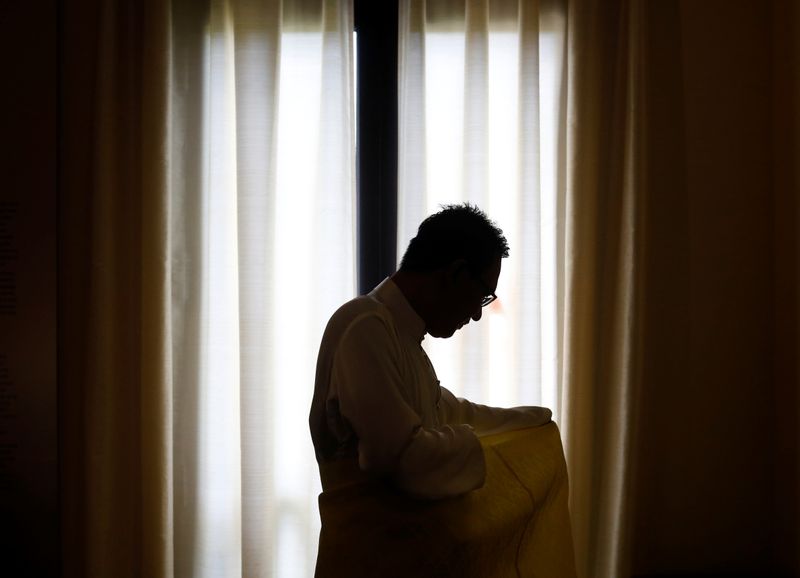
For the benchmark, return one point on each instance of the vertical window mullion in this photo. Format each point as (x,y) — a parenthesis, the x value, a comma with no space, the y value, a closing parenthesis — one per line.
(376,148)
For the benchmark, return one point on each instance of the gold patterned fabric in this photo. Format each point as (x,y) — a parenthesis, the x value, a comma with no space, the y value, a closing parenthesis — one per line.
(516,525)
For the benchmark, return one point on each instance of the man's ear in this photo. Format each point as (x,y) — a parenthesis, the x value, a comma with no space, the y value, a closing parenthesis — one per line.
(455,270)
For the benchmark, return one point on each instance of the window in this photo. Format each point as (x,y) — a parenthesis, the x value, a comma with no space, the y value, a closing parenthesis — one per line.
(285,239)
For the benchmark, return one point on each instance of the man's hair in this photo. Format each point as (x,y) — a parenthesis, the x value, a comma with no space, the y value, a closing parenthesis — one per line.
(455,232)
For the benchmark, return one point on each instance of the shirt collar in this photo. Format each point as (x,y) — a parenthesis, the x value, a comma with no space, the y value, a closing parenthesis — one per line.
(405,317)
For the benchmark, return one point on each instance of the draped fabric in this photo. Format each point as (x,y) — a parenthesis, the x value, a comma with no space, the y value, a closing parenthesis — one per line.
(266,258)
(115,366)
(604,255)
(517,524)
(210,229)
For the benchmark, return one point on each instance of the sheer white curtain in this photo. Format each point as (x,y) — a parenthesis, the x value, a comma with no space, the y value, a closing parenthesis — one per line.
(262,250)
(481,120)
(536,111)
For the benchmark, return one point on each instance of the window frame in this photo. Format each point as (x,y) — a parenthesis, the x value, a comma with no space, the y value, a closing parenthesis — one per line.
(376,27)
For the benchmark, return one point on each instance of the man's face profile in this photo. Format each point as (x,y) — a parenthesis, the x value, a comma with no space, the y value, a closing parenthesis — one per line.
(462,296)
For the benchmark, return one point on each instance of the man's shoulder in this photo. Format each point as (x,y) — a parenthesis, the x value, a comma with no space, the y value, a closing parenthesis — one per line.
(355,311)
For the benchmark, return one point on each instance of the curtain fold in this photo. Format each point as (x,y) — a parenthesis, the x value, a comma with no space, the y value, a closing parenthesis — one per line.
(257,49)
(213,218)
(605,244)
(114,293)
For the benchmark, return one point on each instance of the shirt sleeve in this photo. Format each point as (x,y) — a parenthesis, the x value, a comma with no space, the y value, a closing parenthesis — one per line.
(424,461)
(489,420)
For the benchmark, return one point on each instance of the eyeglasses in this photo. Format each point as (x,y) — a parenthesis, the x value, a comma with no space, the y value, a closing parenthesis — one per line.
(489,296)
(487,299)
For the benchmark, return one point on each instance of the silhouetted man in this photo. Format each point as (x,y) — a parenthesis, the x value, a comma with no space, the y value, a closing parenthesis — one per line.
(378,410)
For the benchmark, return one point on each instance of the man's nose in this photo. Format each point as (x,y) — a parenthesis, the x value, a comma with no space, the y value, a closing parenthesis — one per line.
(477,315)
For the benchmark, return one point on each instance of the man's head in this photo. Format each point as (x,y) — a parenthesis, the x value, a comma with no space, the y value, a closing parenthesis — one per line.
(457,254)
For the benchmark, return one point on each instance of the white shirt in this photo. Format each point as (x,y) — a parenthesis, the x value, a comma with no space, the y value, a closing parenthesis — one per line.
(376,397)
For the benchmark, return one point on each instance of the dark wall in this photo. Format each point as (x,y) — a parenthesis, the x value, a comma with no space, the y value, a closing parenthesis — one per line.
(28,176)
(716,485)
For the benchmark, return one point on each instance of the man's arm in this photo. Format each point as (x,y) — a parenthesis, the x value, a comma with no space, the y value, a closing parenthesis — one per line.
(489,420)
(427,462)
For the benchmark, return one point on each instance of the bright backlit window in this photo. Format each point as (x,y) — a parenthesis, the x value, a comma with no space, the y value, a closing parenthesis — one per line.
(510,358)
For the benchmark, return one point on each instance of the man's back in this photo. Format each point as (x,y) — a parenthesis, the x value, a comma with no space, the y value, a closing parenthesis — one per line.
(377,399)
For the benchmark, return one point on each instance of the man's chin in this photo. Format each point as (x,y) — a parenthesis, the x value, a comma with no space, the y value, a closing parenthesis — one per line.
(443,333)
